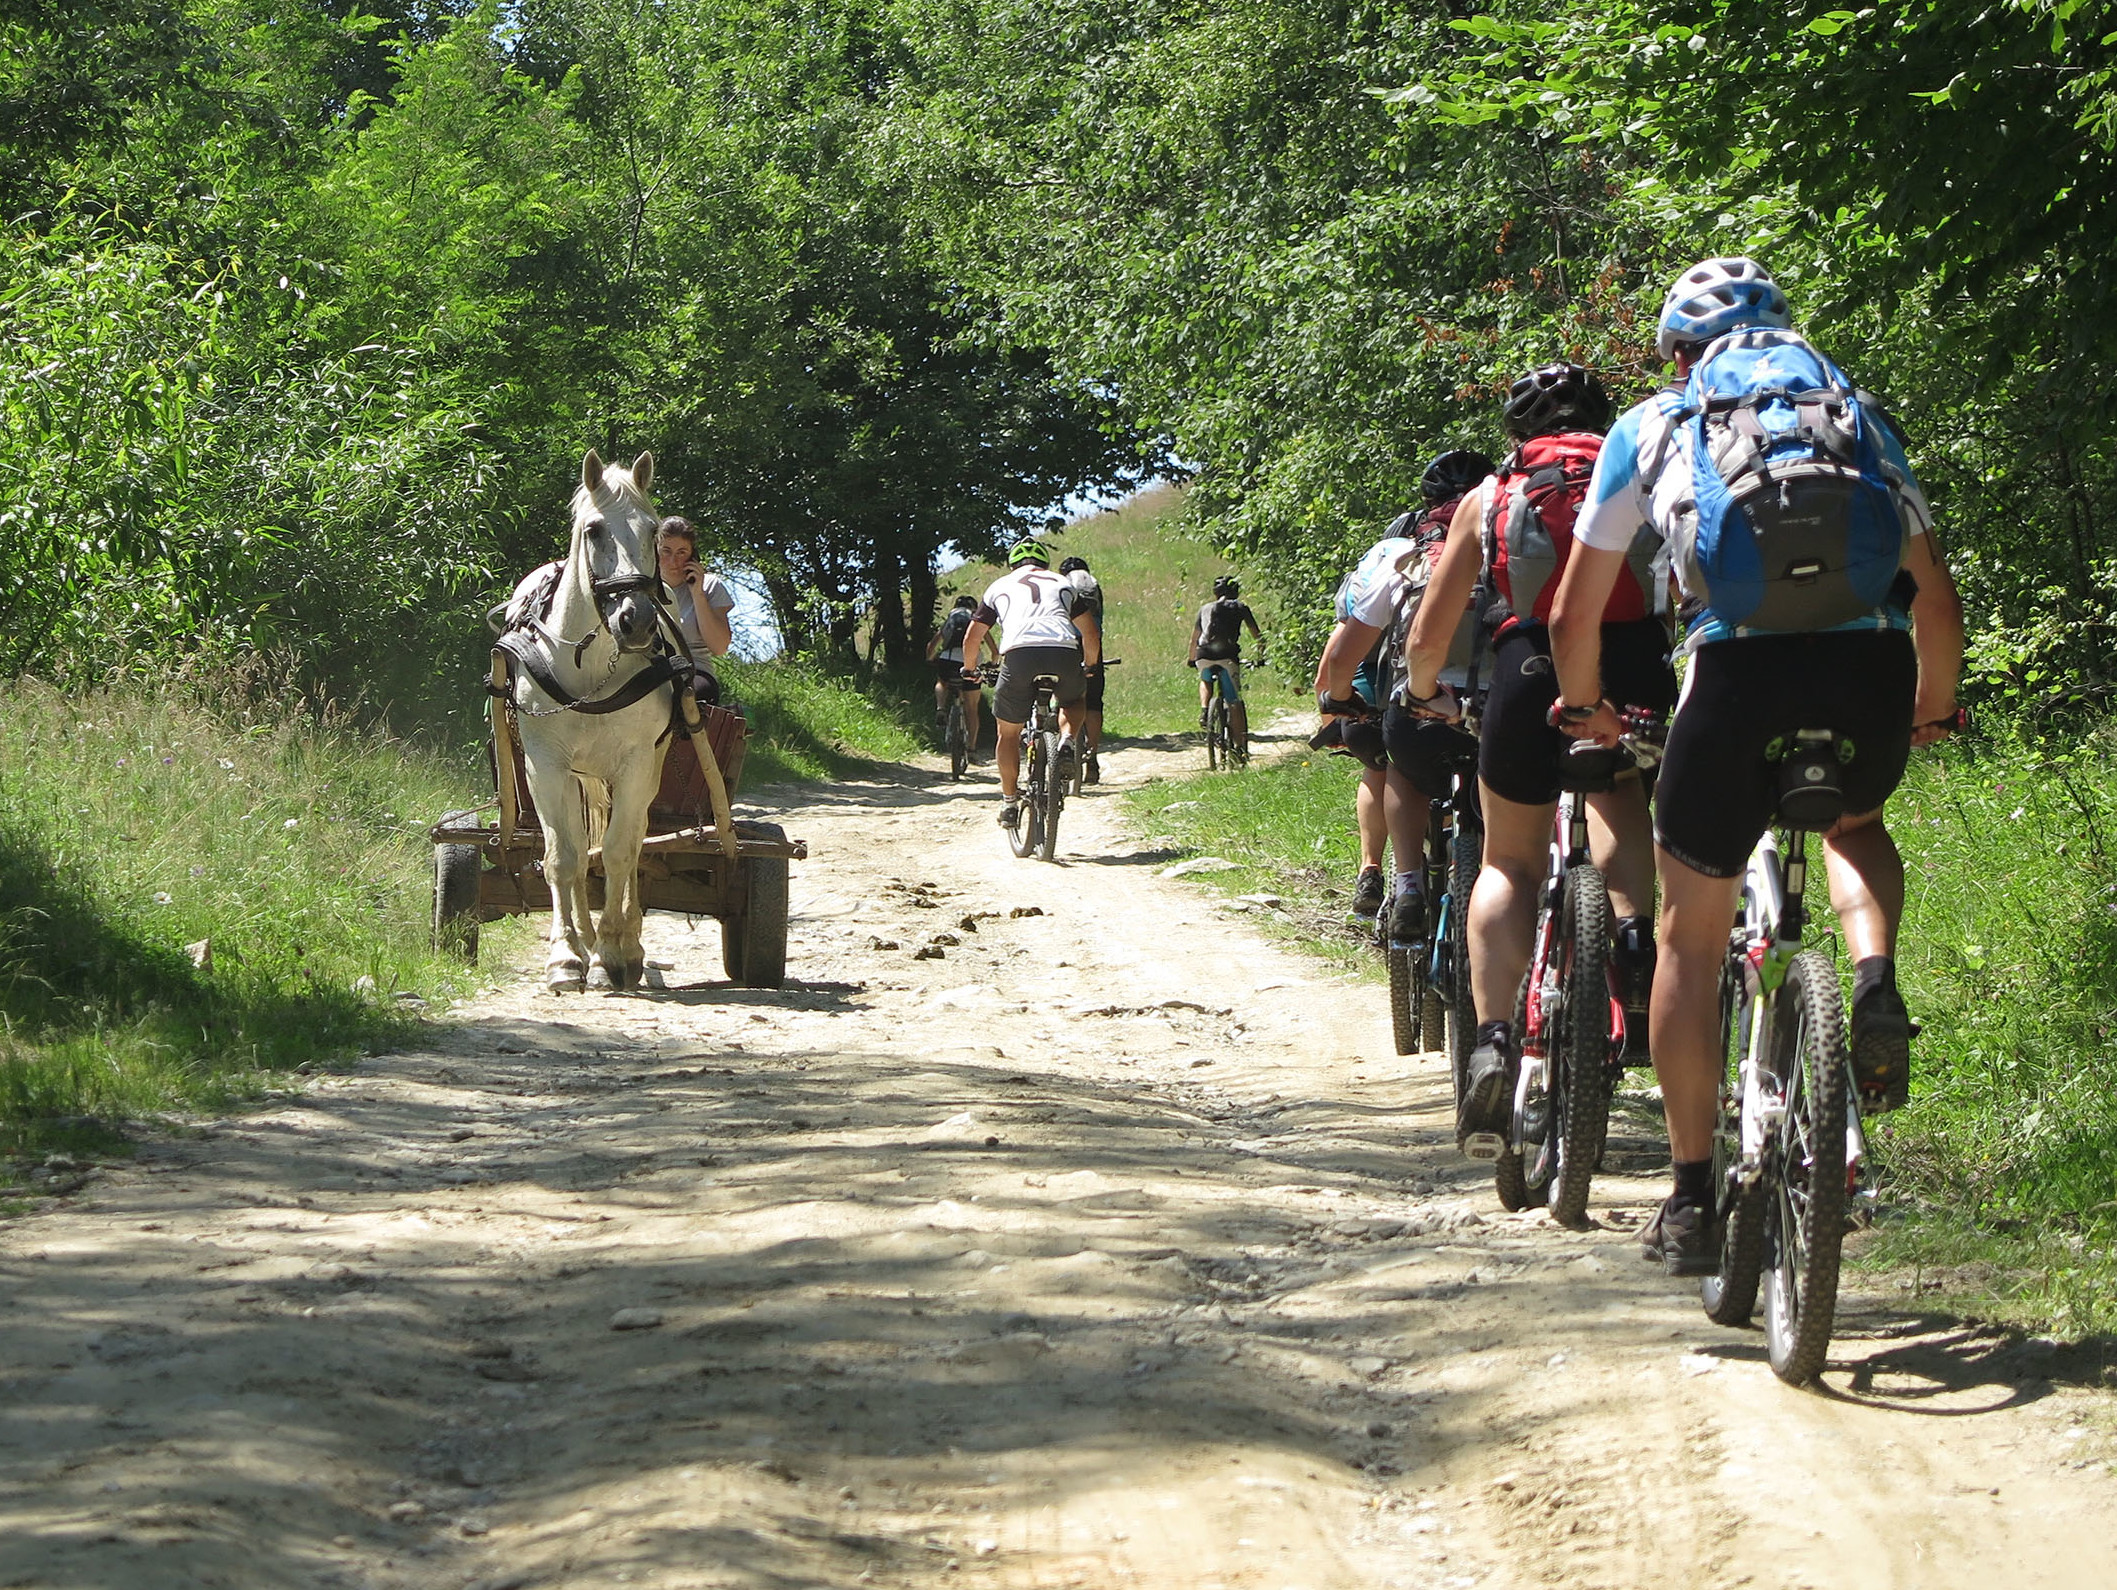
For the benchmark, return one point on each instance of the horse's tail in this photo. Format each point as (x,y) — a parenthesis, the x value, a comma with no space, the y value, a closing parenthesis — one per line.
(595,808)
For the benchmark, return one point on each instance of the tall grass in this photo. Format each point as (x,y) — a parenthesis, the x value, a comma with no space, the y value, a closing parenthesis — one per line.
(213,810)
(808,725)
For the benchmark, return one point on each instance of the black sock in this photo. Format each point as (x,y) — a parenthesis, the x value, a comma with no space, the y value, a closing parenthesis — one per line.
(1633,936)
(1694,1183)
(1875,974)
(1500,1034)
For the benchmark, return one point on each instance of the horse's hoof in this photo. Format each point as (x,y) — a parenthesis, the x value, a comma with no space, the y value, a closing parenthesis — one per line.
(563,982)
(633,974)
(599,980)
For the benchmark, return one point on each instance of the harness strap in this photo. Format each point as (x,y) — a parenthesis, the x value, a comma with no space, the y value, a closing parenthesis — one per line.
(660,670)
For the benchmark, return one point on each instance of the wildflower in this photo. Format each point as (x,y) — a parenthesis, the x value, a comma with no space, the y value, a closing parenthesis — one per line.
(162,897)
(291,822)
(227,766)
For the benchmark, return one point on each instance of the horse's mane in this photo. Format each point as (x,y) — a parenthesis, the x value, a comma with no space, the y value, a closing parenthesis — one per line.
(617,480)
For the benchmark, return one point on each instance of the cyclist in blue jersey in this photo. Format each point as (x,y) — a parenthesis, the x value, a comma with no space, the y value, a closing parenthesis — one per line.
(1884,681)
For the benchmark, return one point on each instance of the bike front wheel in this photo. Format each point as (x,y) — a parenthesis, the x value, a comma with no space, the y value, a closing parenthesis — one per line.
(1580,1049)
(1730,1293)
(1404,999)
(1465,856)
(958,740)
(1804,1206)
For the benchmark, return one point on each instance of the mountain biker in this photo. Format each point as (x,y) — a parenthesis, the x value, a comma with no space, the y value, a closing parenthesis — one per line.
(945,651)
(1076,570)
(1216,647)
(1041,632)
(1882,689)
(1556,416)
(1409,759)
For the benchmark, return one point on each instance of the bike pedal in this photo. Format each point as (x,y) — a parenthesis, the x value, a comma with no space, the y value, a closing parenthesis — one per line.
(1486,1146)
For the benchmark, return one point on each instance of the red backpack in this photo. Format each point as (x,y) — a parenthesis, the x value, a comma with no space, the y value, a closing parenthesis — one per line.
(1536,497)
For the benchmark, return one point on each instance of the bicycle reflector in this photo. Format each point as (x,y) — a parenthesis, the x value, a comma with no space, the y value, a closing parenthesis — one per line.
(1811,789)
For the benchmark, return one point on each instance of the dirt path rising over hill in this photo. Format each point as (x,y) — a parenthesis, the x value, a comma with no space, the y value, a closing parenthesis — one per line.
(1113,1247)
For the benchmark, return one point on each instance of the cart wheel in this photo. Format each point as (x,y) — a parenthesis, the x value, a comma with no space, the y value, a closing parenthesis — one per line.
(456,895)
(753,946)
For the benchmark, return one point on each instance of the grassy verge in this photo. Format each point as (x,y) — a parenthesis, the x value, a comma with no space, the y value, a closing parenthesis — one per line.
(201,885)
(1288,828)
(805,725)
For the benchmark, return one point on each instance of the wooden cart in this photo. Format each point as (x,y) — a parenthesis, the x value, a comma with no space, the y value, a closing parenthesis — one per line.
(698,859)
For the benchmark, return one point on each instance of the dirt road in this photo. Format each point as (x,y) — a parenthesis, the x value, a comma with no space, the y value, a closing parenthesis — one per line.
(1112,1247)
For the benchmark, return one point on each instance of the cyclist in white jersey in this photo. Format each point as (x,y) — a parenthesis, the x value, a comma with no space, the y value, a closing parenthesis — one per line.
(1044,629)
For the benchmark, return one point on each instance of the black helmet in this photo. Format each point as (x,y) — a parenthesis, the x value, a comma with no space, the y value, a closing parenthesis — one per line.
(1072,564)
(1453,473)
(966,600)
(1559,397)
(1226,585)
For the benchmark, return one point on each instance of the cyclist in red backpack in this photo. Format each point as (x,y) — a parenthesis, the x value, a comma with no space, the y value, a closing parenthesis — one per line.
(1511,538)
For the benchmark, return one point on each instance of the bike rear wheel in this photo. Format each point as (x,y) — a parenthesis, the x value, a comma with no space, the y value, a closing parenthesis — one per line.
(1216,730)
(1580,1048)
(1465,856)
(1730,1293)
(1521,1179)
(1804,1207)
(1027,833)
(1405,998)
(958,739)
(1053,796)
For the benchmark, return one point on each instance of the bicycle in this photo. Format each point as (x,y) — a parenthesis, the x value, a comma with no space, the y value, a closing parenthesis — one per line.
(956,735)
(1225,746)
(1570,1011)
(1788,1144)
(1041,789)
(1422,976)
(1080,762)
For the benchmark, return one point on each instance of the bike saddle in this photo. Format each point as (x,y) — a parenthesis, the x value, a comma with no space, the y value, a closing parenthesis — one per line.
(1811,766)
(1590,769)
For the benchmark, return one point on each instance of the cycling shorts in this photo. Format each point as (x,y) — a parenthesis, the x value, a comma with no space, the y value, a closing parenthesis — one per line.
(1018,671)
(1518,750)
(1094,698)
(1426,750)
(949,671)
(1718,794)
(1230,676)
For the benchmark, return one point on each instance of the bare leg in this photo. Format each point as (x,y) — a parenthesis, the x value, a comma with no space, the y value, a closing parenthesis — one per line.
(1095,732)
(1866,884)
(1072,719)
(1697,913)
(971,701)
(1368,806)
(1008,754)
(1405,809)
(1503,905)
(1621,838)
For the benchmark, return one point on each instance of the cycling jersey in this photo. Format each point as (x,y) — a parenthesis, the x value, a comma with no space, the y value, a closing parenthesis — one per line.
(1644,472)
(1032,607)
(1219,627)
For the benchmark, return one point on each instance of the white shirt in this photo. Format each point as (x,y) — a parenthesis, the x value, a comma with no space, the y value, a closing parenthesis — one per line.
(712,593)
(1032,607)
(1371,594)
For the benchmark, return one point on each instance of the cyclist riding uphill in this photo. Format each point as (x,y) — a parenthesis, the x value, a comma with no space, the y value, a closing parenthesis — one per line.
(1216,647)
(1803,547)
(1042,631)
(1512,538)
(1409,759)
(945,652)
(1091,602)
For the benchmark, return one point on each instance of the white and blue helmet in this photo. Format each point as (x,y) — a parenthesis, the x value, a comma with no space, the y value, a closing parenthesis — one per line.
(1717,296)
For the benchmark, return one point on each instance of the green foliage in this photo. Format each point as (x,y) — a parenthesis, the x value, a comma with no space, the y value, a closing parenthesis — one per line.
(807,723)
(205,806)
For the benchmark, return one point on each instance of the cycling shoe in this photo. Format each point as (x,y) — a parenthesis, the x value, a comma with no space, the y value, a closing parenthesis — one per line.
(1483,1110)
(1881,1051)
(1682,1238)
(1368,895)
(1407,921)
(1010,814)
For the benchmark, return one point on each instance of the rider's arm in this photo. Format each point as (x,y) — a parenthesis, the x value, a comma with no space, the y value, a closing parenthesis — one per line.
(933,646)
(980,632)
(1447,593)
(992,647)
(1256,634)
(1091,637)
(1936,635)
(1576,627)
(1197,626)
(1348,644)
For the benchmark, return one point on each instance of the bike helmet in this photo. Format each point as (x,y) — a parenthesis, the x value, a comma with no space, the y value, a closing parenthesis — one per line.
(1717,296)
(1072,565)
(1558,397)
(1028,552)
(966,600)
(1226,585)
(1453,473)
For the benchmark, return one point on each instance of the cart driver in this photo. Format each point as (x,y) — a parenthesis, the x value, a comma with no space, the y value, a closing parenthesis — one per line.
(700,602)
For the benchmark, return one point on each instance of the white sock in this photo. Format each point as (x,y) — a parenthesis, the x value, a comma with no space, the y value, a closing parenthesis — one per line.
(1408,883)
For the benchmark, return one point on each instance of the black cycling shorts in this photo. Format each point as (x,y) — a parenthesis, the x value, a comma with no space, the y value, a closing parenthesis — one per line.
(1094,698)
(1718,794)
(1018,671)
(1518,750)
(1426,750)
(949,671)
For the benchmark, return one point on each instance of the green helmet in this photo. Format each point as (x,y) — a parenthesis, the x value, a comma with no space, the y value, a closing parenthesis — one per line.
(1028,552)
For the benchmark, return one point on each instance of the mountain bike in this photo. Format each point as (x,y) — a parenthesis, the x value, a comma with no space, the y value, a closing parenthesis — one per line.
(1226,746)
(957,736)
(1788,1145)
(1570,1011)
(1422,976)
(1041,784)
(1080,762)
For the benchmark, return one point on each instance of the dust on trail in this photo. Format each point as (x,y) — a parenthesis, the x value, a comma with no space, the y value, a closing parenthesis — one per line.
(1113,1247)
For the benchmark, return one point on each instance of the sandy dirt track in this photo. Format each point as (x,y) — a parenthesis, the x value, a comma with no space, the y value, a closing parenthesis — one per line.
(1113,1247)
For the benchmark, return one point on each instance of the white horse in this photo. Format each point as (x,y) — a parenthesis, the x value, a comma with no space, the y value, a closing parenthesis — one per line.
(597,769)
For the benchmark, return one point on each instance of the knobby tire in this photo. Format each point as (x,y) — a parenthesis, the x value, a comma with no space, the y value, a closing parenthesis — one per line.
(1024,836)
(958,739)
(1465,856)
(1054,796)
(1510,1172)
(1405,998)
(1216,731)
(1730,1293)
(1580,1084)
(1805,1207)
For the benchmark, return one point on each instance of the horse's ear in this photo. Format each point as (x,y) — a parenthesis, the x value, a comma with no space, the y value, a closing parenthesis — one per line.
(643,472)
(592,470)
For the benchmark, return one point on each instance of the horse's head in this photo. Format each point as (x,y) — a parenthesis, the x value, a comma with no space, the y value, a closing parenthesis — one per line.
(613,543)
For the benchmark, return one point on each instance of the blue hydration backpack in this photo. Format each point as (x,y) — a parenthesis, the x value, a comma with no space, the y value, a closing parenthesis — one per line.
(1795,523)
